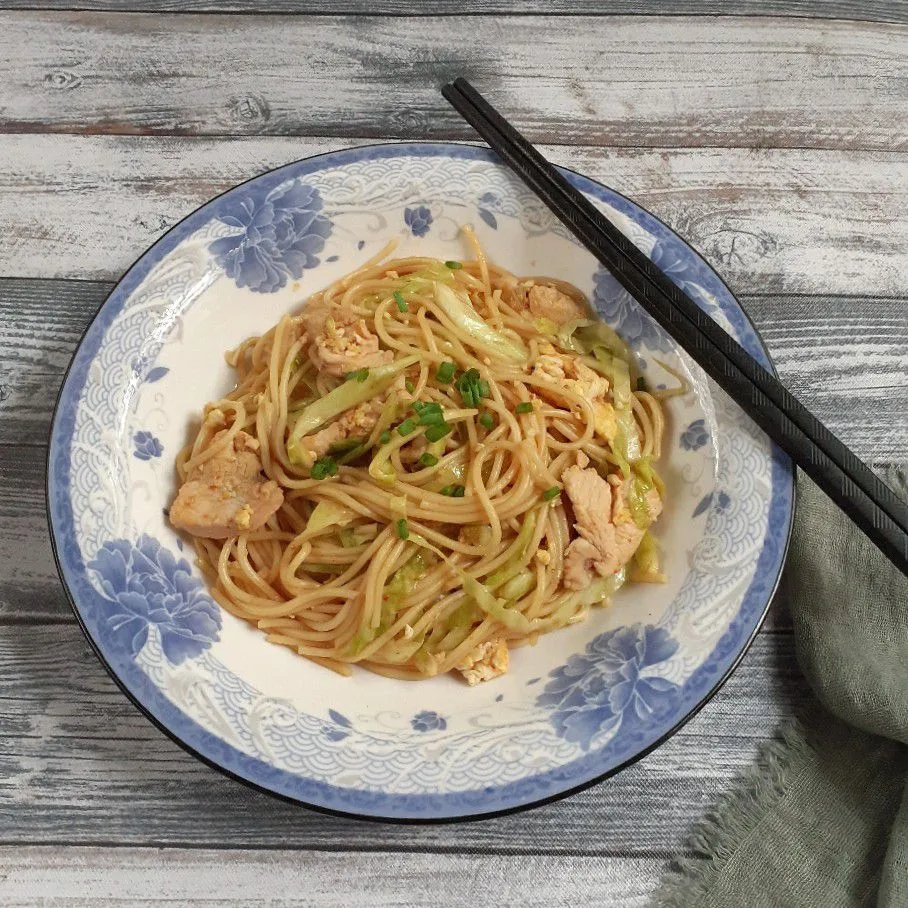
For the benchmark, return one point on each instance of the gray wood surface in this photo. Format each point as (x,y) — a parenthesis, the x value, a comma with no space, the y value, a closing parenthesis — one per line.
(777,145)
(871,10)
(621,81)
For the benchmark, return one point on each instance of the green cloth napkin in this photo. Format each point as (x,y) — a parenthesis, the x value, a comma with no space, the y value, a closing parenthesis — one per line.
(822,819)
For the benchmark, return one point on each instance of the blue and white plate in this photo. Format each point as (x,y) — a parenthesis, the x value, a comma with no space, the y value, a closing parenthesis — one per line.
(584,701)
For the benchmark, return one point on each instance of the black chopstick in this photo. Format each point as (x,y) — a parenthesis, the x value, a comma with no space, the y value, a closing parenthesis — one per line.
(853,486)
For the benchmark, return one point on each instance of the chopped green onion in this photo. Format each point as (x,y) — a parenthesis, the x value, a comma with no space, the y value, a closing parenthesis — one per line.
(472,388)
(641,383)
(323,468)
(436,433)
(454,266)
(407,427)
(403,528)
(525,407)
(445,373)
(427,460)
(384,438)
(357,375)
(409,386)
(458,492)
(486,420)
(551,493)
(430,414)
(401,302)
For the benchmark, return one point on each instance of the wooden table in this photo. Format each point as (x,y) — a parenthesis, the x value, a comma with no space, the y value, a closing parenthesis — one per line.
(777,145)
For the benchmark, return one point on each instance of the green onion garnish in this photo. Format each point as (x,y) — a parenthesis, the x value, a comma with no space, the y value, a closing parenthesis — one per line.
(323,468)
(409,386)
(641,383)
(525,407)
(401,302)
(458,492)
(406,428)
(384,438)
(436,433)
(454,266)
(357,375)
(430,414)
(403,528)
(551,493)
(445,373)
(427,460)
(472,388)
(486,420)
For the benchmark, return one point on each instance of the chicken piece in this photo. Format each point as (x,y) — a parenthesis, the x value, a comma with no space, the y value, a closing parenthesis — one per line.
(548,302)
(569,372)
(487,661)
(580,561)
(342,341)
(227,494)
(609,535)
(357,422)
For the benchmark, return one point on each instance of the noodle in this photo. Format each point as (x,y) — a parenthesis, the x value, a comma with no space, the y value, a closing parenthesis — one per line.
(412,552)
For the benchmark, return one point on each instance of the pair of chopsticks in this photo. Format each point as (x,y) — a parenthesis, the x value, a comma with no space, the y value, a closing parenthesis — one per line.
(868,501)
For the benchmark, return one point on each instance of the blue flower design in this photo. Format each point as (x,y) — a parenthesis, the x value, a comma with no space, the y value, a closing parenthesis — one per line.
(418,219)
(605,689)
(427,720)
(695,435)
(626,315)
(280,233)
(146,446)
(341,728)
(147,585)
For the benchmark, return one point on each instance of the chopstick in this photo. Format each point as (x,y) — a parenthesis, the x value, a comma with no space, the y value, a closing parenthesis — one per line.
(868,501)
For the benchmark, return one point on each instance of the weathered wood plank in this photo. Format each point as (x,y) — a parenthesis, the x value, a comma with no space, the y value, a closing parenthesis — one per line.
(204,877)
(889,11)
(771,220)
(636,81)
(79,764)
(847,357)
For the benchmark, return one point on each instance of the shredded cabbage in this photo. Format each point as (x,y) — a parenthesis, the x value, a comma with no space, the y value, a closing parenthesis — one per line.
(457,307)
(495,608)
(636,500)
(517,587)
(343,397)
(646,558)
(402,583)
(348,538)
(326,514)
(586,335)
(518,552)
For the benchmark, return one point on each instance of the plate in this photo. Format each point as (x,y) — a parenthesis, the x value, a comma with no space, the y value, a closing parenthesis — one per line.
(584,701)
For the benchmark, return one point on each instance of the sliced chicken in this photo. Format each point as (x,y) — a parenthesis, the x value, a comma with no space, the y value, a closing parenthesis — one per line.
(609,535)
(487,661)
(227,494)
(342,341)
(548,302)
